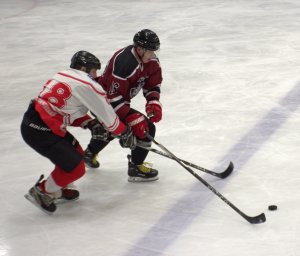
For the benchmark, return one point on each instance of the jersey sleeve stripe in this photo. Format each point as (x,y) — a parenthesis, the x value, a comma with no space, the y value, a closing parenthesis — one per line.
(116,127)
(115,99)
(118,106)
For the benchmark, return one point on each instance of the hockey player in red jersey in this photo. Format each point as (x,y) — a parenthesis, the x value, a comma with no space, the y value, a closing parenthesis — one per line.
(130,70)
(64,101)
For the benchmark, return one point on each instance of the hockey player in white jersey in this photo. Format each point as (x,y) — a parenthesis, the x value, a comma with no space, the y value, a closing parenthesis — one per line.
(65,101)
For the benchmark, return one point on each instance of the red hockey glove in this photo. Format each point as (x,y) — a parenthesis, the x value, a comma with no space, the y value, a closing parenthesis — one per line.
(154,110)
(138,124)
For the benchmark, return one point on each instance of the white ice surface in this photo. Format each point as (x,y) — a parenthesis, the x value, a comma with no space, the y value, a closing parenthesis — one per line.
(231,92)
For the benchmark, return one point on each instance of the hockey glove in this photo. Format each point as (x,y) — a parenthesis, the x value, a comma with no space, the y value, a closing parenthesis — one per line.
(154,110)
(127,139)
(138,124)
(97,130)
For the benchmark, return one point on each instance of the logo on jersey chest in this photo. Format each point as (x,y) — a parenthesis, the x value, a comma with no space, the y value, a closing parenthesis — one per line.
(114,88)
(139,85)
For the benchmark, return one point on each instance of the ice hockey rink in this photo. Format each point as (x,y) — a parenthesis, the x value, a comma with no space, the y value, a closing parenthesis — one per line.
(231,92)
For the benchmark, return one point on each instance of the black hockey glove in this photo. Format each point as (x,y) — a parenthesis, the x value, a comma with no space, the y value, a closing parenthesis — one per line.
(97,130)
(127,139)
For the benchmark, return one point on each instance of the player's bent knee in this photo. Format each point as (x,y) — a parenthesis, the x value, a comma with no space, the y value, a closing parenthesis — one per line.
(63,178)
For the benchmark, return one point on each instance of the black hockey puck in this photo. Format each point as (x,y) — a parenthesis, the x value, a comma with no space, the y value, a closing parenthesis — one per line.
(272,207)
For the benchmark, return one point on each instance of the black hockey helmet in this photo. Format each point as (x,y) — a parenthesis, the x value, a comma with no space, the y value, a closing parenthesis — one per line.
(147,39)
(85,59)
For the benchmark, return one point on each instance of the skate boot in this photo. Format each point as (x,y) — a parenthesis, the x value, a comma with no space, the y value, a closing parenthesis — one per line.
(67,194)
(141,173)
(45,201)
(90,159)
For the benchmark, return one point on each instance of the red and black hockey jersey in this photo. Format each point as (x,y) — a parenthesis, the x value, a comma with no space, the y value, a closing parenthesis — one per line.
(125,75)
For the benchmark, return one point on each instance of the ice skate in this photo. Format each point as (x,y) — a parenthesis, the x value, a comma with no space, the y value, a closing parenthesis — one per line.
(68,194)
(141,173)
(47,201)
(44,201)
(90,159)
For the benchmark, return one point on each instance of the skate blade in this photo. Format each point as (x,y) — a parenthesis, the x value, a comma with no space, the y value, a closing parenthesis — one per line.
(32,200)
(139,179)
(65,201)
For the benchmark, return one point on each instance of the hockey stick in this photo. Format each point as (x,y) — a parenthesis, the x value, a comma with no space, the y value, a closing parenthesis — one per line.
(253,220)
(221,175)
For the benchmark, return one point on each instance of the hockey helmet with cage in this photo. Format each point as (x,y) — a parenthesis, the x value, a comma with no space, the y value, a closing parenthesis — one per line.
(146,39)
(85,59)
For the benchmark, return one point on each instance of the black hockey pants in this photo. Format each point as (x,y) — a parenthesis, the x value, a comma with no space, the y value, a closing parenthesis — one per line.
(61,151)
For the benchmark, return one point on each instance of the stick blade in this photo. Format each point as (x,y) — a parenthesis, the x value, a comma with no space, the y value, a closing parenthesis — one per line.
(227,172)
(261,218)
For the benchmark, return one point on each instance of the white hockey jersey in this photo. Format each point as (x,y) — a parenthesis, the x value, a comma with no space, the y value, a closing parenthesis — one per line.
(66,99)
